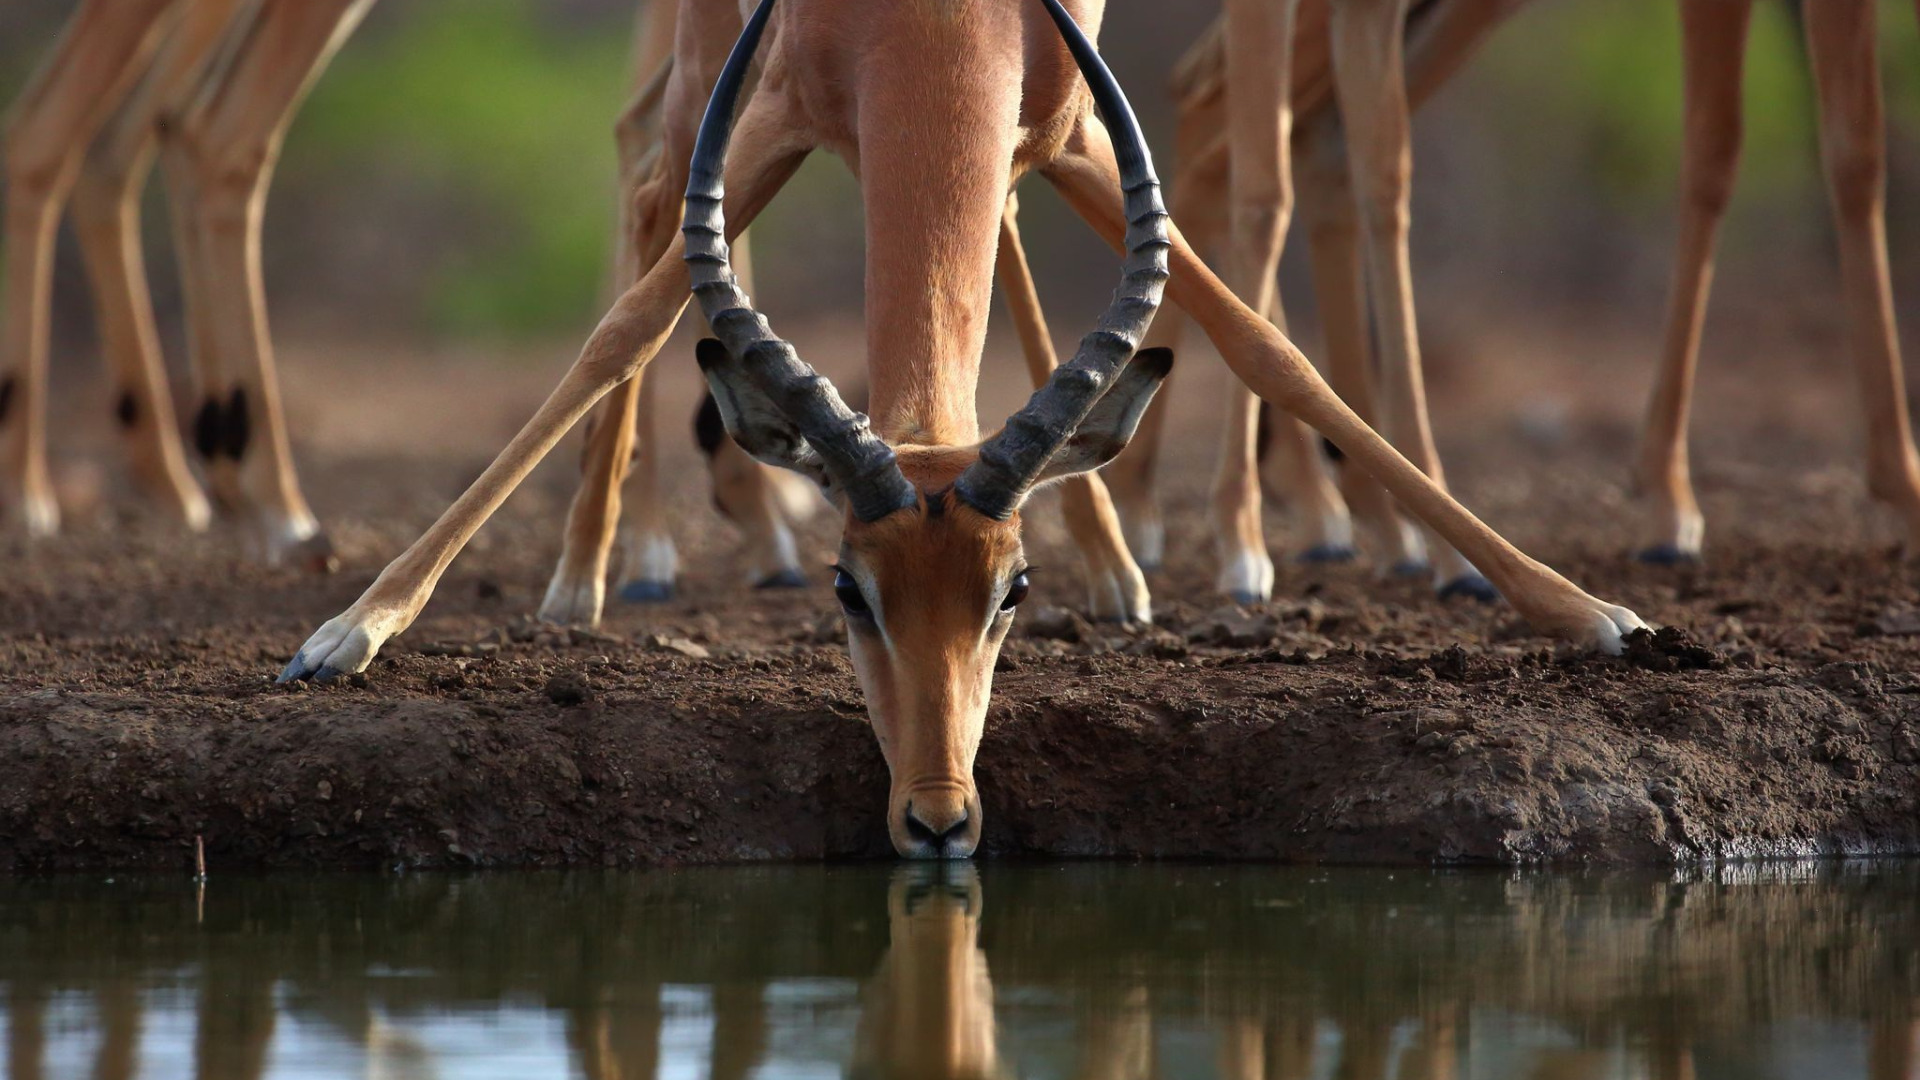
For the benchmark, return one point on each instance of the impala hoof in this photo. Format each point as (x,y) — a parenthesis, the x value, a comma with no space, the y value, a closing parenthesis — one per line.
(1667,555)
(314,555)
(1327,553)
(1470,587)
(784,579)
(1410,568)
(647,592)
(1245,598)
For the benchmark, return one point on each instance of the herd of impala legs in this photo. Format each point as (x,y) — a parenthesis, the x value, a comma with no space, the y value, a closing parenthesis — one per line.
(931,563)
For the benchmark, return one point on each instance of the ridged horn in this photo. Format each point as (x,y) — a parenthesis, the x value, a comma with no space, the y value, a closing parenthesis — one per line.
(1012,460)
(860,463)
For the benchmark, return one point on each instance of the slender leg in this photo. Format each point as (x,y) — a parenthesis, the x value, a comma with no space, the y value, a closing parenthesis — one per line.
(232,136)
(1258,44)
(1369,80)
(770,142)
(106,218)
(619,436)
(105,48)
(1846,72)
(623,424)
(1440,39)
(619,494)
(1339,286)
(1198,196)
(758,499)
(1262,357)
(1116,589)
(1713,39)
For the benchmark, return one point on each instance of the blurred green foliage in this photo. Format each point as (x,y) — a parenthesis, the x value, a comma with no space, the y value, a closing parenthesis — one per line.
(511,113)
(1607,73)
(472,141)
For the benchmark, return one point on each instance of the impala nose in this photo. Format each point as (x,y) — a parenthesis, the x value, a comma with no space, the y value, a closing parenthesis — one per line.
(939,828)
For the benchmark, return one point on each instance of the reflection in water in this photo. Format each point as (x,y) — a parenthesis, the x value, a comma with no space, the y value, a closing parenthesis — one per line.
(1092,972)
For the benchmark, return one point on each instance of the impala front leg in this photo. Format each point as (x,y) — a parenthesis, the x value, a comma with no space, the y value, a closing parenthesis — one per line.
(1116,589)
(1841,36)
(771,147)
(1714,34)
(104,49)
(1263,357)
(1369,79)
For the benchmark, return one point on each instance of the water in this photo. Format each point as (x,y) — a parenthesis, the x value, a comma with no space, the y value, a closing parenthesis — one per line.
(1083,971)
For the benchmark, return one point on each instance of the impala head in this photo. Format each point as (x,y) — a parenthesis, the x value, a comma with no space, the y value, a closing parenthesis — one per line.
(931,566)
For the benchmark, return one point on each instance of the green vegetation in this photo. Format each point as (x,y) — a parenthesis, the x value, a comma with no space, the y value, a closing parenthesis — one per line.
(508,115)
(473,140)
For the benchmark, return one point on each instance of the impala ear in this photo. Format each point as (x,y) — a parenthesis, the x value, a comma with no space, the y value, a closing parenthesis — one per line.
(1110,425)
(750,416)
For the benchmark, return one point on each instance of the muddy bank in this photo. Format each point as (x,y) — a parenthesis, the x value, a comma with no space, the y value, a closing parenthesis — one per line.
(1353,718)
(544,753)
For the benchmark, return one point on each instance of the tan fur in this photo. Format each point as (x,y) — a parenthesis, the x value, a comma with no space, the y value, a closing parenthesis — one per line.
(934,576)
(938,116)
(620,480)
(213,84)
(106,46)
(1346,54)
(1116,589)
(1841,42)
(927,1012)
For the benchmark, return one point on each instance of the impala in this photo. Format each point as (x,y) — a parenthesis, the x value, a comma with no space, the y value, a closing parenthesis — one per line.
(939,107)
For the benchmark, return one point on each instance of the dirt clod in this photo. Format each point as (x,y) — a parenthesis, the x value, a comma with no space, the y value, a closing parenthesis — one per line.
(566,689)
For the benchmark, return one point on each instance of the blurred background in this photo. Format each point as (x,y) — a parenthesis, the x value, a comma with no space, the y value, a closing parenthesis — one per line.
(446,196)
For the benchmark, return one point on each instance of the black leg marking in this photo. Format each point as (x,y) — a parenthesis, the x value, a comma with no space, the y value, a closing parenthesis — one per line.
(239,427)
(6,398)
(209,428)
(127,409)
(1263,433)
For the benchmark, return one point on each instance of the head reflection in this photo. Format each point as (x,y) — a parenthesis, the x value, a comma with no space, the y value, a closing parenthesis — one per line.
(927,1012)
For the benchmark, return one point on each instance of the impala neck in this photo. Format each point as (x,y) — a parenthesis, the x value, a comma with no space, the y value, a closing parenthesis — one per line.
(951,80)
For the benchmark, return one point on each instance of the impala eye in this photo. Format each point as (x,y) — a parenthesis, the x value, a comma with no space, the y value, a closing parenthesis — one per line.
(1016,592)
(848,590)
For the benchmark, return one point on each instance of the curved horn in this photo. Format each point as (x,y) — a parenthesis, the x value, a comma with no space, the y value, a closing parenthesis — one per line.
(1012,460)
(861,464)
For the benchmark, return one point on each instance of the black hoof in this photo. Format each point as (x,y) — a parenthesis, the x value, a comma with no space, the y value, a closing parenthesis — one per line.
(297,670)
(1410,568)
(1667,555)
(785,579)
(1245,599)
(1327,553)
(647,592)
(1470,587)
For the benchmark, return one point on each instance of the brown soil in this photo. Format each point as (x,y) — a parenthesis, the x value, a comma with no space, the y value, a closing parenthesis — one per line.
(1351,719)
